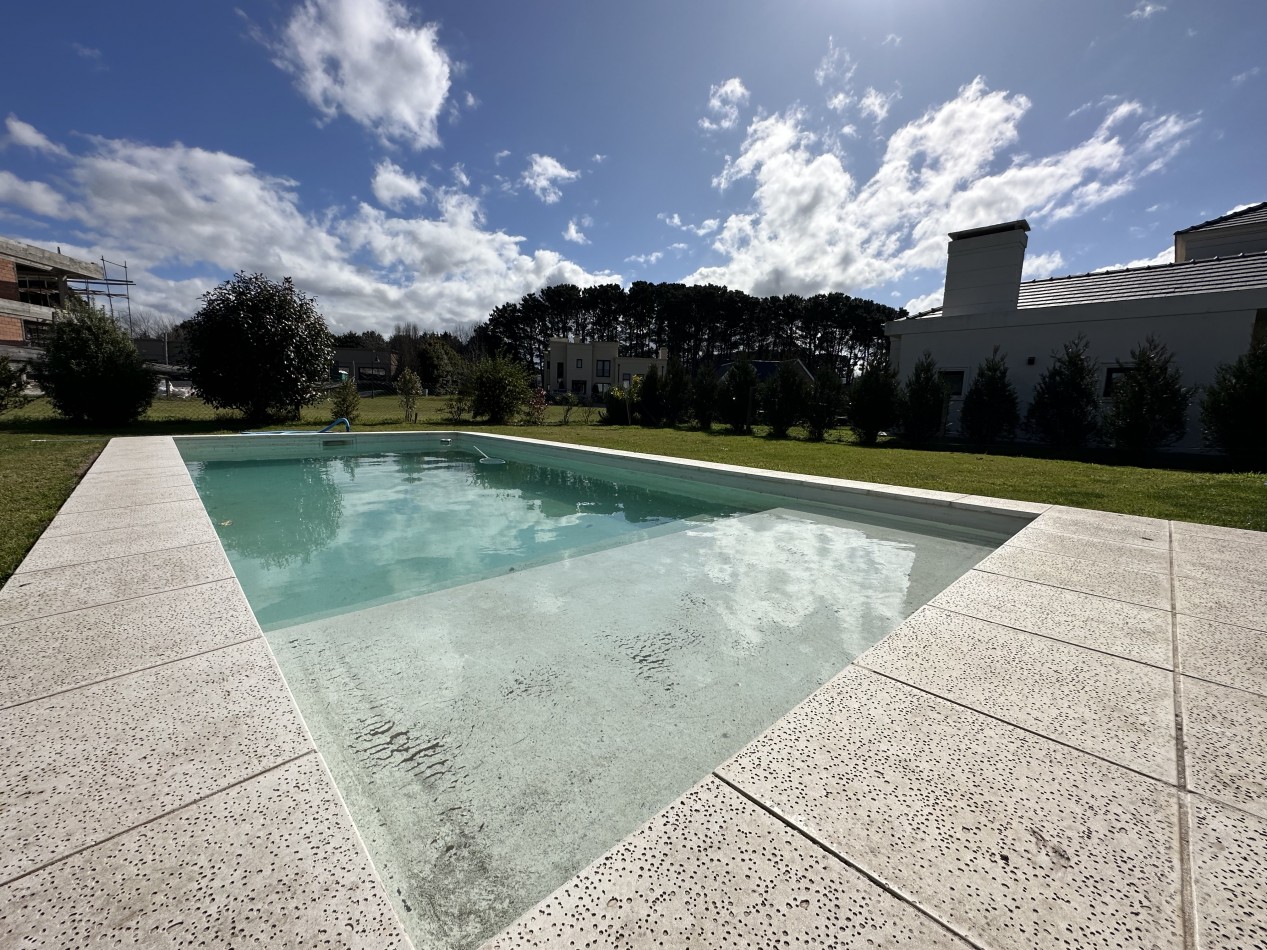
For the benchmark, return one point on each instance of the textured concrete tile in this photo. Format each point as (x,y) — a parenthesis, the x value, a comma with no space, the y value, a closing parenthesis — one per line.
(42,593)
(1107,526)
(714,870)
(86,764)
(1136,557)
(140,474)
(1126,630)
(97,500)
(135,516)
(1229,865)
(1187,529)
(50,654)
(1011,504)
(51,552)
(1226,602)
(272,862)
(1221,559)
(1223,739)
(1233,656)
(924,494)
(1089,577)
(1012,839)
(1115,708)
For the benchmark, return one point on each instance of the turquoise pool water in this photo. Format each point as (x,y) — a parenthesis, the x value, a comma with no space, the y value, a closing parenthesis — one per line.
(510,668)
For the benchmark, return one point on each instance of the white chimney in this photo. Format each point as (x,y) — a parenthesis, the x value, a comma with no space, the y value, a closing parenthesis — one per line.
(983,269)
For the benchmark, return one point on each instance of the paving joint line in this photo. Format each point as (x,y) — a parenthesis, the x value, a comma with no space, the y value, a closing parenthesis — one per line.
(1030,580)
(1187,903)
(112,557)
(121,600)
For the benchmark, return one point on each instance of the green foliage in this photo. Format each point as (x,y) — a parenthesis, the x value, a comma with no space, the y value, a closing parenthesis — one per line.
(676,392)
(498,386)
(12,386)
(91,371)
(1150,403)
(874,400)
(533,411)
(705,393)
(990,409)
(737,396)
(784,398)
(260,347)
(408,389)
(439,365)
(618,406)
(345,401)
(1065,412)
(825,404)
(1234,407)
(650,399)
(923,401)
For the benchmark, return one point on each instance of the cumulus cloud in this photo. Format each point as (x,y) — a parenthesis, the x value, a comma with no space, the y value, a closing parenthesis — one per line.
(724,100)
(575,234)
(26,135)
(1038,266)
(645,259)
(33,196)
(810,226)
(674,220)
(370,61)
(875,104)
(543,176)
(394,187)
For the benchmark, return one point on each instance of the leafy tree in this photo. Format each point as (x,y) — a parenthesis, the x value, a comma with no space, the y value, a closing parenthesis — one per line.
(12,386)
(533,411)
(676,392)
(737,395)
(1150,403)
(990,409)
(498,386)
(649,402)
(618,406)
(873,400)
(439,365)
(705,393)
(784,398)
(923,401)
(1065,412)
(90,369)
(345,401)
(408,389)
(260,347)
(826,403)
(1234,406)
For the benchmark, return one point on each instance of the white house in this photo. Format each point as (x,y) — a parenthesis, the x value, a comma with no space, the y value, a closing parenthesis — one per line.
(1206,307)
(591,368)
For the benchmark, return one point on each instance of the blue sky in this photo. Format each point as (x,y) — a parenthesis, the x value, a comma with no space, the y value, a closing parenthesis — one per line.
(428,161)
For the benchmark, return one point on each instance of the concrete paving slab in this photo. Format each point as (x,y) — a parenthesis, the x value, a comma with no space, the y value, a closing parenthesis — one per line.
(1188,529)
(1222,653)
(1126,630)
(106,519)
(98,500)
(52,552)
(270,862)
(1089,577)
(1229,862)
(43,593)
(1221,559)
(51,654)
(1107,526)
(1009,504)
(139,475)
(716,871)
(1226,602)
(1223,738)
(1012,839)
(83,765)
(1115,553)
(1117,709)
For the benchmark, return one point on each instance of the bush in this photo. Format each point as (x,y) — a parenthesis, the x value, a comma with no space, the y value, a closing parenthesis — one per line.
(1065,412)
(498,386)
(533,411)
(408,389)
(345,401)
(923,404)
(705,393)
(737,395)
(990,409)
(826,403)
(1150,403)
(1234,407)
(649,404)
(675,390)
(91,371)
(873,400)
(784,399)
(12,386)
(260,347)
(618,407)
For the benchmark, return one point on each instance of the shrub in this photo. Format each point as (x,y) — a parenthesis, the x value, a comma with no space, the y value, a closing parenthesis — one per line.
(618,407)
(923,404)
(1065,412)
(498,386)
(345,401)
(649,403)
(1234,406)
(260,347)
(990,410)
(737,395)
(12,386)
(825,404)
(784,399)
(873,400)
(675,389)
(705,392)
(1150,403)
(91,371)
(408,389)
(533,411)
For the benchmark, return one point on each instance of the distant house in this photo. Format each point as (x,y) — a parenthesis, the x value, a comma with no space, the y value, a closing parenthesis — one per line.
(33,287)
(766,369)
(366,367)
(1206,307)
(590,369)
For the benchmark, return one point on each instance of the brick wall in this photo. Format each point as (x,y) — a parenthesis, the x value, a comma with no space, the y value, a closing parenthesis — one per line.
(8,280)
(10,330)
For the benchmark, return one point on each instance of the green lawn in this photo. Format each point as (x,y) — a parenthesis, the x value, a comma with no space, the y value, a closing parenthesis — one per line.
(41,459)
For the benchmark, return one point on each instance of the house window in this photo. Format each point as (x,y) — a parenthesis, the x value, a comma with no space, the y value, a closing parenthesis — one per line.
(625,380)
(579,362)
(952,380)
(558,372)
(1112,375)
(578,387)
(603,369)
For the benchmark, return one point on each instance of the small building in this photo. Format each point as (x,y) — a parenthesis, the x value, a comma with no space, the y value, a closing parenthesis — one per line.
(366,367)
(590,369)
(33,287)
(1206,307)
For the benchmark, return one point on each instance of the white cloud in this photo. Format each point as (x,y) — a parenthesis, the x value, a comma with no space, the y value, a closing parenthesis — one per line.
(836,66)
(675,221)
(892,40)
(1144,9)
(543,176)
(503,154)
(1038,266)
(925,301)
(33,196)
(1241,78)
(575,234)
(89,53)
(28,136)
(1165,256)
(598,158)
(394,187)
(369,60)
(645,259)
(875,104)
(811,227)
(724,100)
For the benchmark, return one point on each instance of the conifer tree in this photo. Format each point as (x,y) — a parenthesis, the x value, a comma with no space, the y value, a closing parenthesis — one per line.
(990,410)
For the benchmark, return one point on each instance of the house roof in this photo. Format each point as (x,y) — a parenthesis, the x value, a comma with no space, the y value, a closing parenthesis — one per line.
(1254,214)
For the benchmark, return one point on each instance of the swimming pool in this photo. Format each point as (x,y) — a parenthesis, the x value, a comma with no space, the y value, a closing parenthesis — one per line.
(602,637)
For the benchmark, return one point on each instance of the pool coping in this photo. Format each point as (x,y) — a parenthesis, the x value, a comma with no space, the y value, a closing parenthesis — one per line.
(129,551)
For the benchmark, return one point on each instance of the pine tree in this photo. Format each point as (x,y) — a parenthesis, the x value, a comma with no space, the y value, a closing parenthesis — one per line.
(873,400)
(923,401)
(1150,403)
(1234,407)
(990,410)
(1065,412)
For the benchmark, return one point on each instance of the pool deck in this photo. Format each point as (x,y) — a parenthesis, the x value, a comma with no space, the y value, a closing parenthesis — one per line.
(1064,749)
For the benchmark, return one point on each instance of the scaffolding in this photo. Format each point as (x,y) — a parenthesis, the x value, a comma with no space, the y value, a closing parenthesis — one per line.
(108,289)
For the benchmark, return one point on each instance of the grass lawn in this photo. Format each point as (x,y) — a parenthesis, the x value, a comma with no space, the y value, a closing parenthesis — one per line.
(41,459)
